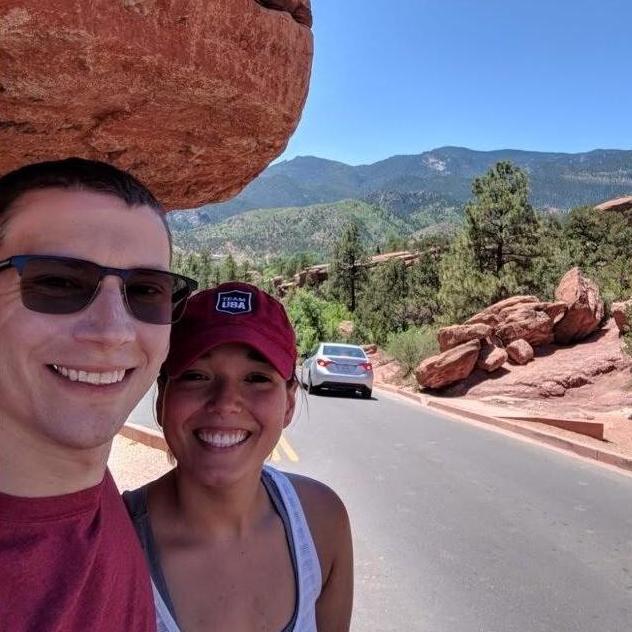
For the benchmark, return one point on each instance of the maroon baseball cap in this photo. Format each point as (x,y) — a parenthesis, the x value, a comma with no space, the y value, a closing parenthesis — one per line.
(232,313)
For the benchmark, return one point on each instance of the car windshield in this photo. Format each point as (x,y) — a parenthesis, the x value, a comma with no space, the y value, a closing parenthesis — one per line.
(350,352)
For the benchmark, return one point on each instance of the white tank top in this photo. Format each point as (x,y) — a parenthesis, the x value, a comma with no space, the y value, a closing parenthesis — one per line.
(304,554)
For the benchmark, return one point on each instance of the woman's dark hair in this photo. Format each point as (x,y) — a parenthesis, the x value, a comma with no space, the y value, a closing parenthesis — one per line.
(75,174)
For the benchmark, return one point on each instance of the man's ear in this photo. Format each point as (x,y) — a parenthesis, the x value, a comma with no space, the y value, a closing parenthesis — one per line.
(290,404)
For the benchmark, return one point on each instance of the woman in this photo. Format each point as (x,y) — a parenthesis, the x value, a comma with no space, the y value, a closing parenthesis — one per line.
(232,544)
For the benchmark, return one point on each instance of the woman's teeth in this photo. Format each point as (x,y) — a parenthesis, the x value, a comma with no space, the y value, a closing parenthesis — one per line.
(90,377)
(222,439)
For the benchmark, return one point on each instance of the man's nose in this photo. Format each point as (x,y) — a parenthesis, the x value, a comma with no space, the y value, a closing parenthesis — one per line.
(106,321)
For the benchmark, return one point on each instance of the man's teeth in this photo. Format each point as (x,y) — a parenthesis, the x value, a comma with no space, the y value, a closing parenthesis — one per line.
(89,377)
(222,439)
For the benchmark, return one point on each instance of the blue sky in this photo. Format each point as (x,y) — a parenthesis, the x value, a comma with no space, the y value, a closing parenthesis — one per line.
(406,76)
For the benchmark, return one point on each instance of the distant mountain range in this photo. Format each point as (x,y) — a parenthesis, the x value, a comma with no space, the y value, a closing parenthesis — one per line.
(411,192)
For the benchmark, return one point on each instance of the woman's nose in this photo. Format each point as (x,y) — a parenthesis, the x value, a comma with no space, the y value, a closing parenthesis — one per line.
(225,397)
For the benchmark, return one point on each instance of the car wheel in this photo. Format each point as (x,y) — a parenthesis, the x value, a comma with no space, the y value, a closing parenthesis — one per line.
(366,393)
(311,389)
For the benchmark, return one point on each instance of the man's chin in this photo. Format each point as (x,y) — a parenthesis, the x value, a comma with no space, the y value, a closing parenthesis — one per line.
(94,434)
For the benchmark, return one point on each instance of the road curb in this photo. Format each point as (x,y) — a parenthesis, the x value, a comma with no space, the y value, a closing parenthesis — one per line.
(147,436)
(569,445)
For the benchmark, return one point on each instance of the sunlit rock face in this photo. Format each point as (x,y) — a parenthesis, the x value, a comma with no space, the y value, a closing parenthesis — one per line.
(195,97)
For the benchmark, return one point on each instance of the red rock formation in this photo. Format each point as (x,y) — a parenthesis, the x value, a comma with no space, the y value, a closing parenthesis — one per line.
(618,311)
(448,367)
(485,318)
(585,307)
(512,301)
(618,204)
(521,321)
(491,358)
(450,337)
(195,98)
(519,351)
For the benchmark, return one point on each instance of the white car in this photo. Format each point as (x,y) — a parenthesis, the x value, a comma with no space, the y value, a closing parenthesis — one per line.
(338,366)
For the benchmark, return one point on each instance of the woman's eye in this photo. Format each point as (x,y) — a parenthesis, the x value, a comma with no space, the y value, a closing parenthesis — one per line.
(192,376)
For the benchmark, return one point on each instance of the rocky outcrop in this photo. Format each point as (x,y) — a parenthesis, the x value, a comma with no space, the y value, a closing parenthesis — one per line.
(194,98)
(620,204)
(509,303)
(533,326)
(619,313)
(455,335)
(448,367)
(491,358)
(521,317)
(520,351)
(585,307)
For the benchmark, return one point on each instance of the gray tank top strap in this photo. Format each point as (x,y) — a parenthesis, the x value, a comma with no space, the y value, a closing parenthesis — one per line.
(309,582)
(136,502)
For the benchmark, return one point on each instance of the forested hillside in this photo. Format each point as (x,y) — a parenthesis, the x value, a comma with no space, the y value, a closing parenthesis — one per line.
(315,228)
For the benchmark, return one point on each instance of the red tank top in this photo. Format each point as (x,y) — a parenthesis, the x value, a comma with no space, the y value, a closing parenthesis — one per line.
(72,563)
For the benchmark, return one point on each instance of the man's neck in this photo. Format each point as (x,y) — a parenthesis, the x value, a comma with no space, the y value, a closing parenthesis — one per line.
(34,467)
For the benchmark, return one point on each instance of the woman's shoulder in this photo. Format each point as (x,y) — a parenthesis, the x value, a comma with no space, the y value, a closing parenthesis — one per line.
(316,496)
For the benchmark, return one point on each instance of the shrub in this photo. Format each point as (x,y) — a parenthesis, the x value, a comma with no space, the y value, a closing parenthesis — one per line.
(412,346)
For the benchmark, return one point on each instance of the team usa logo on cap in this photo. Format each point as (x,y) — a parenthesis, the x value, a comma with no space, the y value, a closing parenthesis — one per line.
(234,302)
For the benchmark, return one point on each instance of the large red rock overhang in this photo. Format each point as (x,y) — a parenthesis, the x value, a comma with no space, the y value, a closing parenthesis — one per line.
(194,97)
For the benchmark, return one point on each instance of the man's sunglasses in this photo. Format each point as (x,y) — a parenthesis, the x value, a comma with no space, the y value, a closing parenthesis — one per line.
(60,285)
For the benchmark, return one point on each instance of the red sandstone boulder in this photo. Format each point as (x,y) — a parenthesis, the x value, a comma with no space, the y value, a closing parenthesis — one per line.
(519,351)
(491,358)
(450,337)
(618,311)
(485,318)
(585,307)
(555,310)
(533,326)
(448,367)
(618,204)
(512,301)
(194,98)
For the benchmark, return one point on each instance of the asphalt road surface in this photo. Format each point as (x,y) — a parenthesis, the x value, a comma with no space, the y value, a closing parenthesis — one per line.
(461,529)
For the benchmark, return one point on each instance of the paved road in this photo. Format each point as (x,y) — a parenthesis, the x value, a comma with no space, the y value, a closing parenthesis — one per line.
(460,529)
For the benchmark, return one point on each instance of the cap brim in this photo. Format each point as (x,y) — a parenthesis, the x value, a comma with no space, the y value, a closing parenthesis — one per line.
(194,347)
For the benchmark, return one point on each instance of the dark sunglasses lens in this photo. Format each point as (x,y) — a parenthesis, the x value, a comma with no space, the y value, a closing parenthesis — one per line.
(150,295)
(58,287)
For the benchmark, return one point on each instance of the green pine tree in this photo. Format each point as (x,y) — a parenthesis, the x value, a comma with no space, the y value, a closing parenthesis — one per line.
(347,270)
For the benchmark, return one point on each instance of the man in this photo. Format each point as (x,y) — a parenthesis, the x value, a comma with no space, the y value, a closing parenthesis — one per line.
(86,300)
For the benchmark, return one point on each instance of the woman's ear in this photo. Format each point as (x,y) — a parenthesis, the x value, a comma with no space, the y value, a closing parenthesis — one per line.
(290,403)
(162,384)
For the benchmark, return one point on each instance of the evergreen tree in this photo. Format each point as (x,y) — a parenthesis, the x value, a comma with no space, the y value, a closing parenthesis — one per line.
(382,305)
(347,270)
(501,225)
(229,269)
(423,287)
(465,290)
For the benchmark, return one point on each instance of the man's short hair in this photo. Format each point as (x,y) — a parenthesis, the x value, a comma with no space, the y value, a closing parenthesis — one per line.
(75,174)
